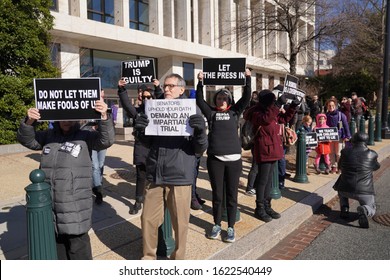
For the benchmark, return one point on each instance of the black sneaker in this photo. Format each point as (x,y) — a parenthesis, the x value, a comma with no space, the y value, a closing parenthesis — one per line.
(363,220)
(97,191)
(195,205)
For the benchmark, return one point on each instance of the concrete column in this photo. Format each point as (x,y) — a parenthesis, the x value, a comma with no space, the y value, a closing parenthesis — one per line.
(195,23)
(63,7)
(181,16)
(156,13)
(70,61)
(168,18)
(74,7)
(119,10)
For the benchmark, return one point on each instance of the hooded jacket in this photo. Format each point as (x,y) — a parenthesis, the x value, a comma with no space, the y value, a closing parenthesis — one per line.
(66,161)
(339,120)
(323,148)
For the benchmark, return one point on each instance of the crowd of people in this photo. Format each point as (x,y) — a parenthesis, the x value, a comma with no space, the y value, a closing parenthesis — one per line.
(167,167)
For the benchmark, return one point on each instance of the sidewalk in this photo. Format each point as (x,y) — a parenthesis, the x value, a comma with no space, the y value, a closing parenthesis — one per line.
(116,235)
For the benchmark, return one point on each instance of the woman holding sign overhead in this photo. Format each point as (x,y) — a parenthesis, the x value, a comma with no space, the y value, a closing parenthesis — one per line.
(140,151)
(224,162)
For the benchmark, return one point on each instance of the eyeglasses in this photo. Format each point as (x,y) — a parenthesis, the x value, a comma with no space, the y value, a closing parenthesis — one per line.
(170,86)
(146,97)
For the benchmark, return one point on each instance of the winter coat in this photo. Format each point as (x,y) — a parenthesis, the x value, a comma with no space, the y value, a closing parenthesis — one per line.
(323,148)
(339,120)
(345,108)
(172,159)
(66,161)
(140,151)
(357,165)
(268,143)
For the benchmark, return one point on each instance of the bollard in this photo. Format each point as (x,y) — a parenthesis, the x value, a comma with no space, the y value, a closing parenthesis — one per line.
(352,126)
(378,127)
(300,166)
(275,191)
(362,124)
(166,243)
(40,222)
(371,131)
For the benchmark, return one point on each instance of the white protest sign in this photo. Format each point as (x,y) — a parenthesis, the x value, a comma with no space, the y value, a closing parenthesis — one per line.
(169,117)
(327,134)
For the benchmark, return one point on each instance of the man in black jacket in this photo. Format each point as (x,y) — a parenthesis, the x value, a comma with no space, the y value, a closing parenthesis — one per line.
(170,169)
(356,180)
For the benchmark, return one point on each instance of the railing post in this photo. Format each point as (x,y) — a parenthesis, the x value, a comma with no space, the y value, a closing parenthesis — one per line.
(40,222)
(166,243)
(300,166)
(371,131)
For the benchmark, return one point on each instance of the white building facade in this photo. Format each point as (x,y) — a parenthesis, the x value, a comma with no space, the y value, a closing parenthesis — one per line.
(92,37)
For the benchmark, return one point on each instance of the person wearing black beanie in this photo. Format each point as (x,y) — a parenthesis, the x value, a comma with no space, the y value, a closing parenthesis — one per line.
(266,118)
(224,163)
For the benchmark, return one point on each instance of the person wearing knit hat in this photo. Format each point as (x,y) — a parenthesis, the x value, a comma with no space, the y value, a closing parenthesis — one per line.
(224,163)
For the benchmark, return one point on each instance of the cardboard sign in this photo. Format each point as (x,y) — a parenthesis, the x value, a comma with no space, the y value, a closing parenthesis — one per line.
(327,134)
(138,71)
(311,140)
(290,88)
(169,117)
(67,99)
(224,71)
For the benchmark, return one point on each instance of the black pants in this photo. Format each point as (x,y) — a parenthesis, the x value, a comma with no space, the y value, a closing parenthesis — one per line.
(263,182)
(224,176)
(74,247)
(140,183)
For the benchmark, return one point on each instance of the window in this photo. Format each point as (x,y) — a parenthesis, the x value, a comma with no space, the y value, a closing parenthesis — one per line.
(101,10)
(139,14)
(54,5)
(189,73)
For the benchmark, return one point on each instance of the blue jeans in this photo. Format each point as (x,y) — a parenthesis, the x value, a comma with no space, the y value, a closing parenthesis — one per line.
(98,158)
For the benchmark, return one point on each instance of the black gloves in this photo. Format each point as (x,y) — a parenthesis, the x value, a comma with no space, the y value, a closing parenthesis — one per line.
(197,123)
(282,100)
(296,101)
(141,122)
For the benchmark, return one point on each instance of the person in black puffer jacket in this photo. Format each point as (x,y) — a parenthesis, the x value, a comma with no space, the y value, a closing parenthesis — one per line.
(356,180)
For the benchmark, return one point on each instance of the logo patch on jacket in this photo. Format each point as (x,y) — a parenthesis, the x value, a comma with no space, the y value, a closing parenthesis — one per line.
(46,150)
(71,148)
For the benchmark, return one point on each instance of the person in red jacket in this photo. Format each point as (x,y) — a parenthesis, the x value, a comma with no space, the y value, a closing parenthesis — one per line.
(268,147)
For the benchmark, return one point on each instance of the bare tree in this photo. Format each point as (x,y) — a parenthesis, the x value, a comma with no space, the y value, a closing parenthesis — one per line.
(295,24)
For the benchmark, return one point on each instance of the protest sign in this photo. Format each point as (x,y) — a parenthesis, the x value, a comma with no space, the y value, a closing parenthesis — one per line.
(138,71)
(327,134)
(290,88)
(311,140)
(224,71)
(67,99)
(169,117)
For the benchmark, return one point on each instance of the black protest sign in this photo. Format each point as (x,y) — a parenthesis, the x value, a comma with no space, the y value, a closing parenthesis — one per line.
(327,134)
(138,71)
(224,71)
(67,99)
(290,88)
(311,140)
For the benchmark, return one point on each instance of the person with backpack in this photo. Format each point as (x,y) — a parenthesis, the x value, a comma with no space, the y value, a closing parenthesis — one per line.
(268,147)
(335,118)
(224,163)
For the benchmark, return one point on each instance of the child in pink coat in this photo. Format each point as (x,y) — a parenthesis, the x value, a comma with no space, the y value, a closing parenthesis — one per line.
(323,148)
